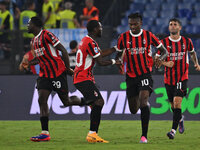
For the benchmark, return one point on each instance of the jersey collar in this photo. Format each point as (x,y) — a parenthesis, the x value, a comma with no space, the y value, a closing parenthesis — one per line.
(38,34)
(136,35)
(90,37)
(175,40)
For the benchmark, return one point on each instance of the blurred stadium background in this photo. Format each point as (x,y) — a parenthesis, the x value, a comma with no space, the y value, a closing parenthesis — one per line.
(18,95)
(113,16)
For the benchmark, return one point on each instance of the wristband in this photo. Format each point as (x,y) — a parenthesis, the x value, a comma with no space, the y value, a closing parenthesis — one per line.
(113,61)
(116,49)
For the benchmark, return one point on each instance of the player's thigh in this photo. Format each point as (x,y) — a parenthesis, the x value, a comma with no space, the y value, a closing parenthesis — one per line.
(89,90)
(132,89)
(44,89)
(44,84)
(170,89)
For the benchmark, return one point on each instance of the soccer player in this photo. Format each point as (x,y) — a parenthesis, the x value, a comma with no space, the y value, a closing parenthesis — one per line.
(86,56)
(136,43)
(52,75)
(176,78)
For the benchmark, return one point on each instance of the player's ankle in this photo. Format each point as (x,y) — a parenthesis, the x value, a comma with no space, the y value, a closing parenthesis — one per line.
(45,132)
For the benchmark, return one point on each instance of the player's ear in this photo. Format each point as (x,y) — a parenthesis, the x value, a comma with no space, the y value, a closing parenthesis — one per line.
(180,28)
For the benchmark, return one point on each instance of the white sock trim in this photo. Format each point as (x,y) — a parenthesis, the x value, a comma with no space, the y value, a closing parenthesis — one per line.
(45,132)
(90,132)
(174,131)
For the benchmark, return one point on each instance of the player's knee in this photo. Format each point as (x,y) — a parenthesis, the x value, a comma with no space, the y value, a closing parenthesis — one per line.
(99,102)
(42,101)
(143,104)
(133,110)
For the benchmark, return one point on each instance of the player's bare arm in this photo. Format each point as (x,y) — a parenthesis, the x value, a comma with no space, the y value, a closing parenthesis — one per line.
(102,62)
(158,60)
(195,60)
(65,58)
(25,64)
(107,52)
(168,64)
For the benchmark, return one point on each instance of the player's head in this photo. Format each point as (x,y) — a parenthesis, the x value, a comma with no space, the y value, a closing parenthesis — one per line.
(34,23)
(3,5)
(30,5)
(94,27)
(89,3)
(73,45)
(135,22)
(175,26)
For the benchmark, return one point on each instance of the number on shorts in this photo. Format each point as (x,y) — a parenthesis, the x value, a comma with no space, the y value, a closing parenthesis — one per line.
(56,84)
(79,58)
(179,85)
(145,82)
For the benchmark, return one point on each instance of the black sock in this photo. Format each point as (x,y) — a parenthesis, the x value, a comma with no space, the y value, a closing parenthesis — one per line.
(44,123)
(176,118)
(145,114)
(172,110)
(95,118)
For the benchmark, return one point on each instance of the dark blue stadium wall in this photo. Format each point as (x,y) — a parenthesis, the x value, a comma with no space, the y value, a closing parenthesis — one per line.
(18,100)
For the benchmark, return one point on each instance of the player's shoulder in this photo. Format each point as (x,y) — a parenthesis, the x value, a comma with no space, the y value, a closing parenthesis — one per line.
(166,38)
(123,34)
(88,40)
(186,38)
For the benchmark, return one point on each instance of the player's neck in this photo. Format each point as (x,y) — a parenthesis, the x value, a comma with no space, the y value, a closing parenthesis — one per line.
(91,35)
(175,37)
(36,31)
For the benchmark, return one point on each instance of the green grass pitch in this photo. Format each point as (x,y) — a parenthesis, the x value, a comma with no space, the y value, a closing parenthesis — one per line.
(123,135)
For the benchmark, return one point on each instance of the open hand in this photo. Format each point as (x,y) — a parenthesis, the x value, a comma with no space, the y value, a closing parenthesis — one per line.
(157,62)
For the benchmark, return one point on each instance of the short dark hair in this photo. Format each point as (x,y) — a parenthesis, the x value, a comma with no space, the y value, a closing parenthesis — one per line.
(37,21)
(135,15)
(91,25)
(29,3)
(73,44)
(175,20)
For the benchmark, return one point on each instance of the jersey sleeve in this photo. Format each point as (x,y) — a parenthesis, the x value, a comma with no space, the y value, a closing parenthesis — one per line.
(52,39)
(93,49)
(190,46)
(158,53)
(120,45)
(155,41)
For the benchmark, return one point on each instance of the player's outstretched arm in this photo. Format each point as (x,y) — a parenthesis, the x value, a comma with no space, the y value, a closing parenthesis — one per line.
(195,60)
(102,62)
(107,52)
(25,63)
(168,63)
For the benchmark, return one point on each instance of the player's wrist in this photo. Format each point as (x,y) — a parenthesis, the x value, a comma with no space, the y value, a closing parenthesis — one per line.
(113,61)
(116,49)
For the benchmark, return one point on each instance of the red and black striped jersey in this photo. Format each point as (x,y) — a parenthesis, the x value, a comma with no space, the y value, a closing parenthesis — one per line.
(137,48)
(51,64)
(88,50)
(178,53)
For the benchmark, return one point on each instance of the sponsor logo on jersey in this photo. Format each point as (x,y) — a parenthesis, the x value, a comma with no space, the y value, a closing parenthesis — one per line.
(96,50)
